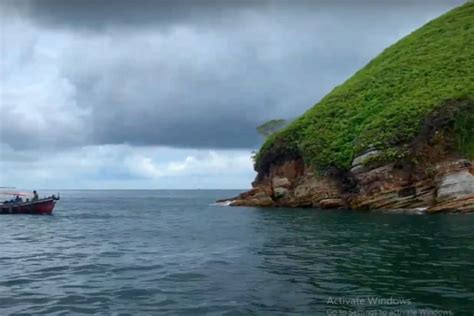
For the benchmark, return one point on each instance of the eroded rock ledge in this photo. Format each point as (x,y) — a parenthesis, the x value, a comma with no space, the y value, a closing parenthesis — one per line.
(448,186)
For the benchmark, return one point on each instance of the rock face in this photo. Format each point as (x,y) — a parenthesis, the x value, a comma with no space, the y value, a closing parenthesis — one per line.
(455,190)
(448,186)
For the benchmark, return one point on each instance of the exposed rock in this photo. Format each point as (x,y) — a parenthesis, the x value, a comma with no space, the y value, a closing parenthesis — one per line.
(331,203)
(463,205)
(291,184)
(258,196)
(260,202)
(358,164)
(390,188)
(280,193)
(311,190)
(456,181)
(449,188)
(280,182)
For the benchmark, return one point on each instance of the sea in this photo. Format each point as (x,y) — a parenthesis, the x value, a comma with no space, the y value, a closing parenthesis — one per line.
(164,252)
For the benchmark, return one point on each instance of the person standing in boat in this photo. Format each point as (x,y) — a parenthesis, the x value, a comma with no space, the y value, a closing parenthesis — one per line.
(35,196)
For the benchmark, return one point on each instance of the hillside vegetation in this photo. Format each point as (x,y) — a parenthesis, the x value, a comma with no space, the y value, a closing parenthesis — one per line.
(384,105)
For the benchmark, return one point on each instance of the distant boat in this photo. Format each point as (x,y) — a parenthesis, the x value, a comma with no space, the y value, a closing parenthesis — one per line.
(43,206)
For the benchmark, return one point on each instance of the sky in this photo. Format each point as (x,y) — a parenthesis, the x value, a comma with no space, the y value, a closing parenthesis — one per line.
(149,94)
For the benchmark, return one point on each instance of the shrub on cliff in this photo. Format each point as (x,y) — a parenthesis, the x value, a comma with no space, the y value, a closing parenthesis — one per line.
(385,103)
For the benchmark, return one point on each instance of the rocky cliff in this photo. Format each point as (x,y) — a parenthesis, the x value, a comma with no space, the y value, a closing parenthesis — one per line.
(399,134)
(449,186)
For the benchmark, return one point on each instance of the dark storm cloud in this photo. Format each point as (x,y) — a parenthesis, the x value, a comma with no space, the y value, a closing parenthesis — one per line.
(201,73)
(97,15)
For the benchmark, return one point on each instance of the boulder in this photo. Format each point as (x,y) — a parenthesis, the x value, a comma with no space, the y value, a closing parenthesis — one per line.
(358,164)
(280,182)
(280,193)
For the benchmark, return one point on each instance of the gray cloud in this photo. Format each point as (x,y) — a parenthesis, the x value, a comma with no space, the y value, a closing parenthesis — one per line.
(194,74)
(98,15)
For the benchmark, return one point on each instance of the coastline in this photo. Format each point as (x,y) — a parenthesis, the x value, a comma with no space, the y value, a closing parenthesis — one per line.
(448,188)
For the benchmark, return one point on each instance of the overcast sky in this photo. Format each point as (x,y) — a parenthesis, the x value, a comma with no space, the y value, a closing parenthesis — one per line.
(167,94)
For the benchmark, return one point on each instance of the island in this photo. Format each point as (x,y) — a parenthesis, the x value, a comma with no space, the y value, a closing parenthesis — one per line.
(397,135)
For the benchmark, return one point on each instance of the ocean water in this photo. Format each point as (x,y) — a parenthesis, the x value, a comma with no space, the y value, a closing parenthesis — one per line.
(172,252)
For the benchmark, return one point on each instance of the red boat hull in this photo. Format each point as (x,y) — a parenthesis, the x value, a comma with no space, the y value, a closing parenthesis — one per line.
(40,207)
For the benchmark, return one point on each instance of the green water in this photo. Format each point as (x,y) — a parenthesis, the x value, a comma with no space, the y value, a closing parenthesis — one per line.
(171,252)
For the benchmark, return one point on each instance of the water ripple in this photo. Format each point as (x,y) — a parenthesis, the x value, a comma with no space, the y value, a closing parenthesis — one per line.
(166,252)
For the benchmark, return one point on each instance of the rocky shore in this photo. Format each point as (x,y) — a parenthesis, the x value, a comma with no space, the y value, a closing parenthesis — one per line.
(448,187)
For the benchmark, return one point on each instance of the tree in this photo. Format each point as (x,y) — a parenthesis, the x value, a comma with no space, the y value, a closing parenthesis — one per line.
(270,127)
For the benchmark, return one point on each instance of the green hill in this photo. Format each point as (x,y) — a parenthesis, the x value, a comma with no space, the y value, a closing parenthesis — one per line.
(386,104)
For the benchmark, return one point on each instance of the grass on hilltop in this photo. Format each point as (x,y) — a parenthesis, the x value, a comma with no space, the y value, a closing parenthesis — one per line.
(384,104)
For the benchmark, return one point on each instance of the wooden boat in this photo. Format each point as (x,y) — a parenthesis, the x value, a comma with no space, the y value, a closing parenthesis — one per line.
(43,206)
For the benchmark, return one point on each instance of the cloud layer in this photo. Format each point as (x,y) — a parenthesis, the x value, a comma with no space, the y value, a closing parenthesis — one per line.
(123,166)
(198,75)
(185,74)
